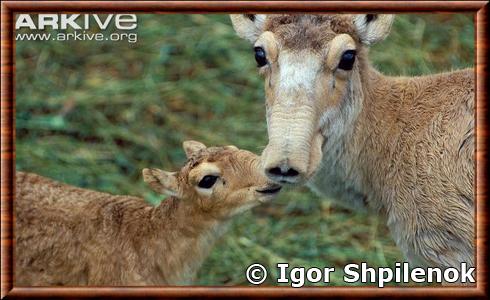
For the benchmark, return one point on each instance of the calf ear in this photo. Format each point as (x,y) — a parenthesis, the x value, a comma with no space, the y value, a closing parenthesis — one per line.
(373,28)
(191,147)
(161,181)
(248,27)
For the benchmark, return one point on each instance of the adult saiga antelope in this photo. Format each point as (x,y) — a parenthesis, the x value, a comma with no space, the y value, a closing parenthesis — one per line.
(403,146)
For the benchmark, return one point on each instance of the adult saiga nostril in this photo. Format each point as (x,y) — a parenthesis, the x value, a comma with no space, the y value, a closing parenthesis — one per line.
(289,172)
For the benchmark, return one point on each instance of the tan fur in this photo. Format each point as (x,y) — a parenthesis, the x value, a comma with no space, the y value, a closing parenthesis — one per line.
(72,236)
(401,145)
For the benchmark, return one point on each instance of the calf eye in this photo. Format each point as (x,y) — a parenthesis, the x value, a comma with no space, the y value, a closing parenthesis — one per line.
(347,60)
(207,181)
(260,56)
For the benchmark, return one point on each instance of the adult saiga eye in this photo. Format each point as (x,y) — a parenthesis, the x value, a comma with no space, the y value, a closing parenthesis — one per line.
(260,56)
(347,60)
(207,181)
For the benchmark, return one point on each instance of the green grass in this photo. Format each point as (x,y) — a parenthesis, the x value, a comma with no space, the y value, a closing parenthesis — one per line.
(93,114)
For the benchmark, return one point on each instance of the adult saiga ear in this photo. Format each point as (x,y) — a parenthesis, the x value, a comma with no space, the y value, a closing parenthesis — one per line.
(373,28)
(248,26)
(161,181)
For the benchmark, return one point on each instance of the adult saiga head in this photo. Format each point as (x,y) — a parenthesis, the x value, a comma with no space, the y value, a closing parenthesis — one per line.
(312,65)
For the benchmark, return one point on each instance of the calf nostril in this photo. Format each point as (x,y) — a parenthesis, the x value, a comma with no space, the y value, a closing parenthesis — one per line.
(289,173)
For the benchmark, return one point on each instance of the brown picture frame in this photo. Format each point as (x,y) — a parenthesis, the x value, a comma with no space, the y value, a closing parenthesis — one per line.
(9,8)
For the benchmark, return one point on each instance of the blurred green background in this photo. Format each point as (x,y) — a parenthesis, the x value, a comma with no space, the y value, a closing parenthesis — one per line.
(93,114)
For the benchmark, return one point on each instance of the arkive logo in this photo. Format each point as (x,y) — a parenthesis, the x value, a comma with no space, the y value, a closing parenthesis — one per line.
(76,21)
(76,27)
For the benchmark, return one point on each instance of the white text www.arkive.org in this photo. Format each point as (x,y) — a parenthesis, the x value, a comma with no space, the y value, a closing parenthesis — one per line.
(78,36)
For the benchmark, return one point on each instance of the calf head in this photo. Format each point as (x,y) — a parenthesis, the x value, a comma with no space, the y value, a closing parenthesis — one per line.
(222,181)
